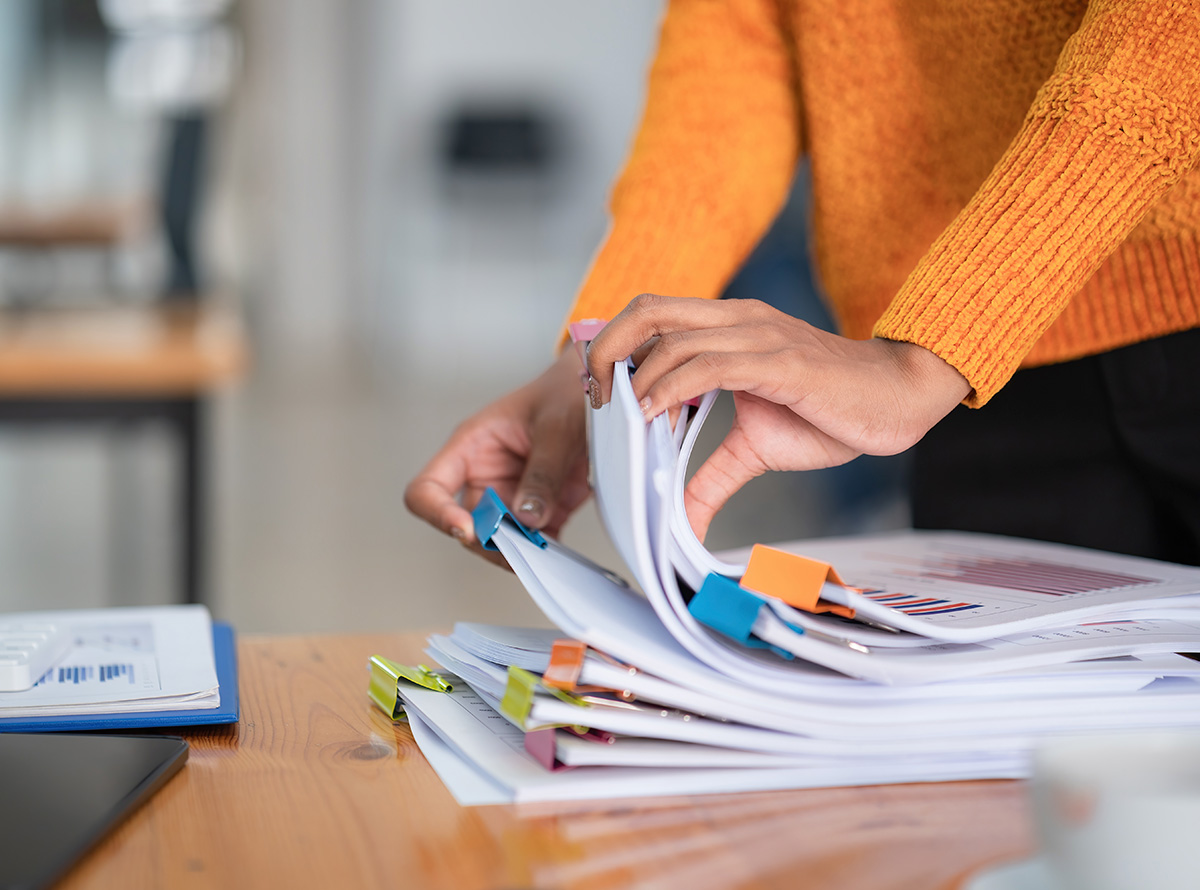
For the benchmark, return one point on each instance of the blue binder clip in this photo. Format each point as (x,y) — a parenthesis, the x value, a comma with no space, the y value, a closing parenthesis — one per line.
(728,608)
(489,513)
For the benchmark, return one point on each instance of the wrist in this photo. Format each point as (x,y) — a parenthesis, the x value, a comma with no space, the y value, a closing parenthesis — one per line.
(929,373)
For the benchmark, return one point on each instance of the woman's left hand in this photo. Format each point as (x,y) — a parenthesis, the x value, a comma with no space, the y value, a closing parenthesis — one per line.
(804,398)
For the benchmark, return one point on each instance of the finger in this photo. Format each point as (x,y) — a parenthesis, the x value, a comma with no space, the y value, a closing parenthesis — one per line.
(495,557)
(647,316)
(717,480)
(558,449)
(570,497)
(433,496)
(470,497)
(642,352)
(675,349)
(737,372)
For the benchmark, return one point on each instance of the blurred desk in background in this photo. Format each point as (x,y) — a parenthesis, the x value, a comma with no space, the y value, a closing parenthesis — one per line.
(169,349)
(123,365)
(98,224)
(315,787)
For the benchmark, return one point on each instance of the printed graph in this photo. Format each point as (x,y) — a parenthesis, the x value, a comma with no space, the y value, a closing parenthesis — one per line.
(85,673)
(1029,575)
(911,604)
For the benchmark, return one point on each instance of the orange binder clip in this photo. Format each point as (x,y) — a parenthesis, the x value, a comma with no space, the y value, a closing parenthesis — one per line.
(566,664)
(797,580)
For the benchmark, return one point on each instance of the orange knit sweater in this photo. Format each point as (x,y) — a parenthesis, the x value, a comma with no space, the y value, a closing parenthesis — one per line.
(1004,182)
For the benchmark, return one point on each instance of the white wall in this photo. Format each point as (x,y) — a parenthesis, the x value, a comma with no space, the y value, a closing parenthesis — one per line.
(341,103)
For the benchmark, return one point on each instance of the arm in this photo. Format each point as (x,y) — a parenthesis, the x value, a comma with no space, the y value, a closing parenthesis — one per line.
(713,159)
(709,170)
(1109,134)
(1115,127)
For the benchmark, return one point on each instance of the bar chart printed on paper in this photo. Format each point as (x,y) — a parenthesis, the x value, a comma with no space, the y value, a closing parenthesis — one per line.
(959,578)
(107,656)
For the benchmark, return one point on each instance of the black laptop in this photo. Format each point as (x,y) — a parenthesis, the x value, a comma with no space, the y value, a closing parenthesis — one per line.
(60,793)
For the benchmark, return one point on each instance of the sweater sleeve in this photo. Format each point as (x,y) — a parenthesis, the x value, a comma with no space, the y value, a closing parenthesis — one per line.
(1113,129)
(711,163)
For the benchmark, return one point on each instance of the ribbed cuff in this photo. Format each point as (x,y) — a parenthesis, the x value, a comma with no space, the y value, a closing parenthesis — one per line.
(1060,201)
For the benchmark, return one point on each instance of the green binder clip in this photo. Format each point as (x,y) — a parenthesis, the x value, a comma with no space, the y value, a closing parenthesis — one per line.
(518,694)
(386,674)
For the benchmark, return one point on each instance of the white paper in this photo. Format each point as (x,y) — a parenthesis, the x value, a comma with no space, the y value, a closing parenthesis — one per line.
(529,648)
(964,587)
(481,737)
(939,661)
(470,787)
(124,660)
(589,607)
(1038,710)
(951,586)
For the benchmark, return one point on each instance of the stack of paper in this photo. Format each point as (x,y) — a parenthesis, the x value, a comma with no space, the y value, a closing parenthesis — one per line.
(895,658)
(130,667)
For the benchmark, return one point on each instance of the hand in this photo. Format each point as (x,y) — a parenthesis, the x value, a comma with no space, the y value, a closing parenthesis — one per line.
(804,398)
(530,446)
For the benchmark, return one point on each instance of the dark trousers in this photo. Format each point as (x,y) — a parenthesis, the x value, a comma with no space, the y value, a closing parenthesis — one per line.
(1102,452)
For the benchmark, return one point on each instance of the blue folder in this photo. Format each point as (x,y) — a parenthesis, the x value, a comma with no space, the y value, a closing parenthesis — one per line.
(225,654)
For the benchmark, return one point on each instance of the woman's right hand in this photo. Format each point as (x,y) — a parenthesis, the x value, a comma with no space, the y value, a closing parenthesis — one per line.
(530,446)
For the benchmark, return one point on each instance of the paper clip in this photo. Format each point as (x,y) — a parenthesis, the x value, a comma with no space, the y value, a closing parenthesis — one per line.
(489,513)
(797,580)
(385,674)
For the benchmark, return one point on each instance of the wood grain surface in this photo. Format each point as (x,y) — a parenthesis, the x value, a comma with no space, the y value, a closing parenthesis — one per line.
(317,788)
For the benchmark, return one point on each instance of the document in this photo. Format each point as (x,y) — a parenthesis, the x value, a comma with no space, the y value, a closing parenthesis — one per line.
(471,729)
(859,726)
(589,606)
(905,657)
(124,660)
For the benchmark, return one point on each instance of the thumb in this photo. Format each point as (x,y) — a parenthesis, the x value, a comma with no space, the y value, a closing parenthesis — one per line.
(718,479)
(557,447)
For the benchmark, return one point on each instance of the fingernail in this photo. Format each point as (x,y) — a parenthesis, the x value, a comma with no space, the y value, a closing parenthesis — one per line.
(531,509)
(458,534)
(594,392)
(644,404)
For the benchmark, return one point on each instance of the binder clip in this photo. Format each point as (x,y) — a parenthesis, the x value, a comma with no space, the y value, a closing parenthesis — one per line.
(566,664)
(729,609)
(542,745)
(489,513)
(797,580)
(519,693)
(386,674)
(582,333)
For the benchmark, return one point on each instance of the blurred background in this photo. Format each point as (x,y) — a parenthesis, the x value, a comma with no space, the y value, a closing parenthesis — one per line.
(258,258)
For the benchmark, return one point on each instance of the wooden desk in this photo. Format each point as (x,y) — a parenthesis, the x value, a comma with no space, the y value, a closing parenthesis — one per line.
(317,788)
(83,224)
(157,349)
(114,366)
